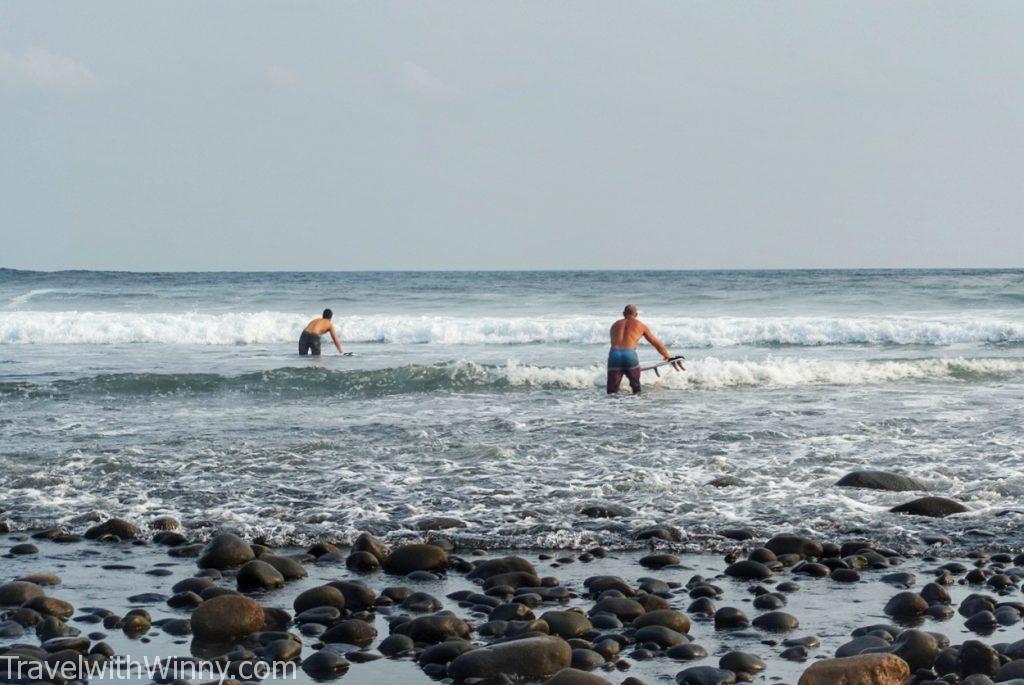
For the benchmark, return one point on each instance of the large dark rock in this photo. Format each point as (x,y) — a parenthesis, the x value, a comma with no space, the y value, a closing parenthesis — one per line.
(226,550)
(661,636)
(444,652)
(325,664)
(741,662)
(527,658)
(906,604)
(362,562)
(1010,671)
(659,560)
(977,657)
(794,544)
(659,531)
(935,507)
(624,608)
(492,567)
(352,632)
(567,624)
(574,676)
(918,648)
(396,644)
(286,566)
(358,595)
(118,527)
(17,592)
(730,618)
(435,628)
(371,545)
(748,570)
(705,675)
(320,596)
(51,606)
(416,557)
(258,575)
(880,480)
(597,584)
(226,618)
(676,620)
(861,645)
(606,511)
(776,622)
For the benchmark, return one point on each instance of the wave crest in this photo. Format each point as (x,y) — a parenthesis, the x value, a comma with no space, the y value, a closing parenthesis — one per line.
(465,376)
(195,328)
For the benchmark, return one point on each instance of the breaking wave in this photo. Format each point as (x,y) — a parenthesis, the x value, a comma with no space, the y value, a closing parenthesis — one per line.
(104,328)
(465,376)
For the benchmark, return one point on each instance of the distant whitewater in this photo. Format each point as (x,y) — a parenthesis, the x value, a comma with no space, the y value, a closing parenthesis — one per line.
(250,328)
(479,398)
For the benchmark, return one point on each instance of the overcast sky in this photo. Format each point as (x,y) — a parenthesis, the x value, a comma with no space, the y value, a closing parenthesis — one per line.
(480,135)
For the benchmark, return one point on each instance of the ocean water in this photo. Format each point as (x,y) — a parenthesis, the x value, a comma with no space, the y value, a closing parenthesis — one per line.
(479,397)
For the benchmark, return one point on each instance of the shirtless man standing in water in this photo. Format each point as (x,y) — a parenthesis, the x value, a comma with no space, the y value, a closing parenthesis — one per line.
(309,341)
(622,359)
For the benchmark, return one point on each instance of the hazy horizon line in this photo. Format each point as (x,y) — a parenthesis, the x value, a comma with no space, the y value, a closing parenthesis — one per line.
(525,270)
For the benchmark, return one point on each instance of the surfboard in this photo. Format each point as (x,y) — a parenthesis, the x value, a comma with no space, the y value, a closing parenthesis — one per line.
(675,362)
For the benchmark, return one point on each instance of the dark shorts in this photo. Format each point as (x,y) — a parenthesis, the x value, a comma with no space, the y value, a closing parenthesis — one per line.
(309,343)
(623,363)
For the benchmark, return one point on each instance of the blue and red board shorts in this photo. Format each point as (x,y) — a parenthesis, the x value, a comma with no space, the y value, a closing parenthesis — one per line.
(621,363)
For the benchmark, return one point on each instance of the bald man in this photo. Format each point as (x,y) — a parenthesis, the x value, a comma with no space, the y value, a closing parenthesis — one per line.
(622,358)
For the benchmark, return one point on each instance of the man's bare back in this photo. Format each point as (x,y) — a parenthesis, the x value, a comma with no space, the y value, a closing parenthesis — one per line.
(628,331)
(309,341)
(319,326)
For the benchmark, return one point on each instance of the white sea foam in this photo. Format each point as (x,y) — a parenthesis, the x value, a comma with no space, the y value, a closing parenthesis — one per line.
(712,373)
(269,327)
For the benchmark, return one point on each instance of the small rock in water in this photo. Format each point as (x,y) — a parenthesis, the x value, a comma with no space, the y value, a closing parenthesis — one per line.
(906,604)
(113,527)
(258,575)
(226,550)
(794,544)
(725,482)
(934,507)
(325,664)
(164,523)
(658,561)
(526,658)
(225,618)
(417,557)
(606,511)
(17,592)
(748,570)
(659,532)
(705,675)
(730,618)
(880,480)
(776,622)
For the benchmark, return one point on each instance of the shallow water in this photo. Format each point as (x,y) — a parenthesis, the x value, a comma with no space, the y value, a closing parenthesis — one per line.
(478,396)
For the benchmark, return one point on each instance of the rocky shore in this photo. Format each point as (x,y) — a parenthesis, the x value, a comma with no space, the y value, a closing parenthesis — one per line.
(788,609)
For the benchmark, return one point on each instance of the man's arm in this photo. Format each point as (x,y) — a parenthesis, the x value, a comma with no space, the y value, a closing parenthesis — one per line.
(657,343)
(337,343)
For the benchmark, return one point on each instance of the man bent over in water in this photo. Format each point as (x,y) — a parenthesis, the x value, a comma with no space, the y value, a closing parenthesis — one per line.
(622,358)
(309,341)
